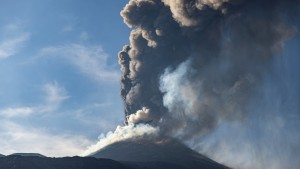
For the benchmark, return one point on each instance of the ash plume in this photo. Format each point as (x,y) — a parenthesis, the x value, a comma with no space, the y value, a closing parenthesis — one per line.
(228,44)
(198,64)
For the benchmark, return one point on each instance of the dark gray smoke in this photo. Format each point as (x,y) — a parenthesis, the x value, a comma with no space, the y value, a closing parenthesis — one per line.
(196,64)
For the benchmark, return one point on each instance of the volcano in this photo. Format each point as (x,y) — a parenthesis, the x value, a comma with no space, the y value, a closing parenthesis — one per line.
(137,154)
(157,154)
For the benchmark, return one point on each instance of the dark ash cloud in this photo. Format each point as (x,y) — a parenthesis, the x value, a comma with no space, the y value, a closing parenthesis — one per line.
(197,63)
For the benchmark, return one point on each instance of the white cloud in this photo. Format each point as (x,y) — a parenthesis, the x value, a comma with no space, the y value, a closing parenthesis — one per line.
(13,38)
(15,138)
(19,112)
(90,60)
(55,95)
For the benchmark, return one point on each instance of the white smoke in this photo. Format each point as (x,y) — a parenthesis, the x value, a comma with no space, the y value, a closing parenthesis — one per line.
(140,116)
(128,132)
(268,138)
(178,92)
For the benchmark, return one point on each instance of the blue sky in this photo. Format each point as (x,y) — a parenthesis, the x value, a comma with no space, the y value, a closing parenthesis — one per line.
(59,74)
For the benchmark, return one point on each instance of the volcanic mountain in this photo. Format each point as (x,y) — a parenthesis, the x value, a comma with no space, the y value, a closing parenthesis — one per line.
(133,154)
(160,154)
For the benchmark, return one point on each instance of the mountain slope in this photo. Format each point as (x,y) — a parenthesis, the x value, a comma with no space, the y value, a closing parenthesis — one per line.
(171,152)
(31,162)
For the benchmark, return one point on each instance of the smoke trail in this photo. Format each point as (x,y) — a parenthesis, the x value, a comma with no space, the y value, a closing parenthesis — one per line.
(201,65)
(133,131)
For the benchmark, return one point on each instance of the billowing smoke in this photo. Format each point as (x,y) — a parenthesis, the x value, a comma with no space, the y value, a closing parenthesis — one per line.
(201,65)
(210,73)
(134,130)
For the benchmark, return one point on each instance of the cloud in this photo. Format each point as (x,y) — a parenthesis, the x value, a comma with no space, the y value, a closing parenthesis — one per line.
(12,41)
(16,138)
(90,60)
(17,112)
(55,95)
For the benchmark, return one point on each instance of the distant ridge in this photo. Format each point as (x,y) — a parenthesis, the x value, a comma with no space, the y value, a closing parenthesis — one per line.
(33,162)
(28,154)
(1,155)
